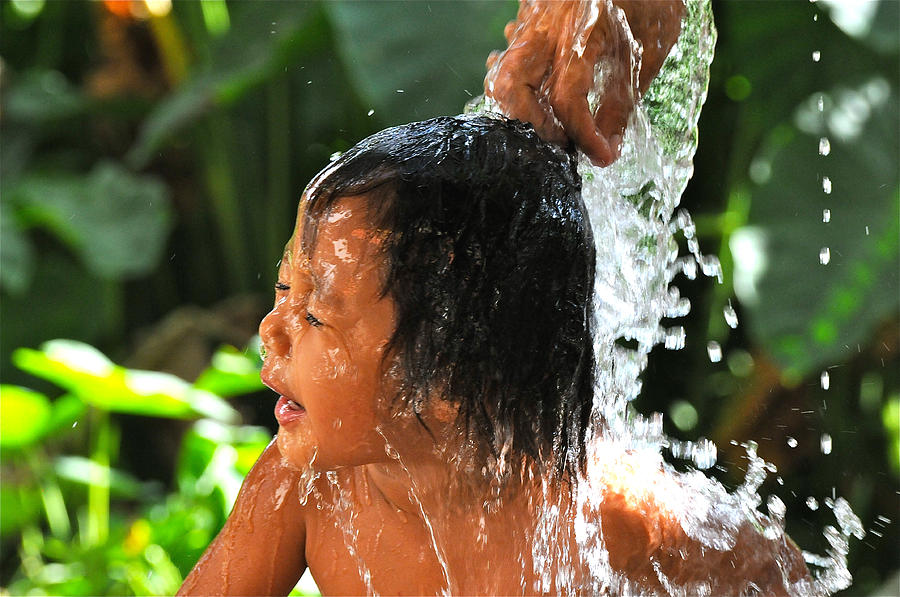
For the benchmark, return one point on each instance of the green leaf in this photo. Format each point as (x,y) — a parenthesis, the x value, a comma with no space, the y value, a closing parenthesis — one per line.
(231,373)
(116,221)
(66,411)
(24,416)
(19,506)
(16,255)
(43,97)
(82,470)
(809,315)
(266,38)
(414,60)
(86,372)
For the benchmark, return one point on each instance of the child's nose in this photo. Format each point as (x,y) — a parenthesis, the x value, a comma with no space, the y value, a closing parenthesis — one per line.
(273,334)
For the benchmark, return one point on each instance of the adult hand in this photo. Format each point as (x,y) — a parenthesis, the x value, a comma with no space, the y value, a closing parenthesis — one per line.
(554,49)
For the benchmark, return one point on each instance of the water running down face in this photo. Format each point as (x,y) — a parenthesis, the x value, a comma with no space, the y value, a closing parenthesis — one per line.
(325,340)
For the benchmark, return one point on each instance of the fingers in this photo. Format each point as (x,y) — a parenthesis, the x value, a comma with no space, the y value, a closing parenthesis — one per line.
(509,30)
(575,117)
(492,59)
(517,75)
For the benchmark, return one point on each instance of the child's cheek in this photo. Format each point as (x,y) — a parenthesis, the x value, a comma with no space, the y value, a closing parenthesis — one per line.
(326,359)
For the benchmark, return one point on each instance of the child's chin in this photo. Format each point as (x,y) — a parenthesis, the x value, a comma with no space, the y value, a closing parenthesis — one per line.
(297,450)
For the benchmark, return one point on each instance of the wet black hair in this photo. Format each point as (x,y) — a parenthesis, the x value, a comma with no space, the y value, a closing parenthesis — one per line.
(490,263)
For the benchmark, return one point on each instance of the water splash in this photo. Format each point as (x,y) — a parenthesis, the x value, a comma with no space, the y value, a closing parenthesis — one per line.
(731,317)
(714,351)
(825,444)
(632,206)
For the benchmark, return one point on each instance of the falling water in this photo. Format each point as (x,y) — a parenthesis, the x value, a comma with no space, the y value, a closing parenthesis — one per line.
(632,206)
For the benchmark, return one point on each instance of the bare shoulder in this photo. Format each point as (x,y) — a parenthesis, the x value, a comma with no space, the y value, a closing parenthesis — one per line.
(657,538)
(261,548)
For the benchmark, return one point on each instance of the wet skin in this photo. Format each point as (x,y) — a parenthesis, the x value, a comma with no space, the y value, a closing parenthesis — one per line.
(325,341)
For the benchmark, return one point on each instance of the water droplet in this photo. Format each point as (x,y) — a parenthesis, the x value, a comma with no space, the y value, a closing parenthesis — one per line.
(776,507)
(731,317)
(812,503)
(847,519)
(815,17)
(710,266)
(824,255)
(334,156)
(714,351)
(792,442)
(675,338)
(75,424)
(816,55)
(391,452)
(704,454)
(825,380)
(824,146)
(826,185)
(337,424)
(370,112)
(867,231)
(820,103)
(400,91)
(825,443)
(779,480)
(826,215)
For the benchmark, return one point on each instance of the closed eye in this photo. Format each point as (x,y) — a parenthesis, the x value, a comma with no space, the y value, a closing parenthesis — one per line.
(312,320)
(281,286)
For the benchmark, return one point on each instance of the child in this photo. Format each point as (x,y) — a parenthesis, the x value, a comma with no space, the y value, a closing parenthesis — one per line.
(431,345)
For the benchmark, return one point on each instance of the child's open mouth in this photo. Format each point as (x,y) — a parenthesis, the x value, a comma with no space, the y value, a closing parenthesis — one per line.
(288,411)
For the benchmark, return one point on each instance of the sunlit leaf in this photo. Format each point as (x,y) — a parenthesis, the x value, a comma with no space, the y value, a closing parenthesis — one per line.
(405,60)
(83,470)
(86,372)
(231,373)
(65,414)
(24,416)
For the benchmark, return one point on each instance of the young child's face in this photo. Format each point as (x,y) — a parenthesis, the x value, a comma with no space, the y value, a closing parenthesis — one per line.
(324,341)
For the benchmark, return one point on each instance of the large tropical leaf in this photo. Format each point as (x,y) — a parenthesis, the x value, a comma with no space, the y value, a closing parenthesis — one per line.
(407,63)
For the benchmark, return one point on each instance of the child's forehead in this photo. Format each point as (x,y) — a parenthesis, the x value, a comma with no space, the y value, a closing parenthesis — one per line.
(345,244)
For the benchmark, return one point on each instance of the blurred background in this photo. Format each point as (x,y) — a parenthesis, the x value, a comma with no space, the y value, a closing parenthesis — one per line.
(151,158)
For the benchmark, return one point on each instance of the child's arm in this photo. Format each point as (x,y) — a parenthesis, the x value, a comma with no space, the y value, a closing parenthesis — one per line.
(260,551)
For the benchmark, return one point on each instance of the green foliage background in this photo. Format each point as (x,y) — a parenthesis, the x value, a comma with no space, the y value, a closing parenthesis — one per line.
(149,173)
